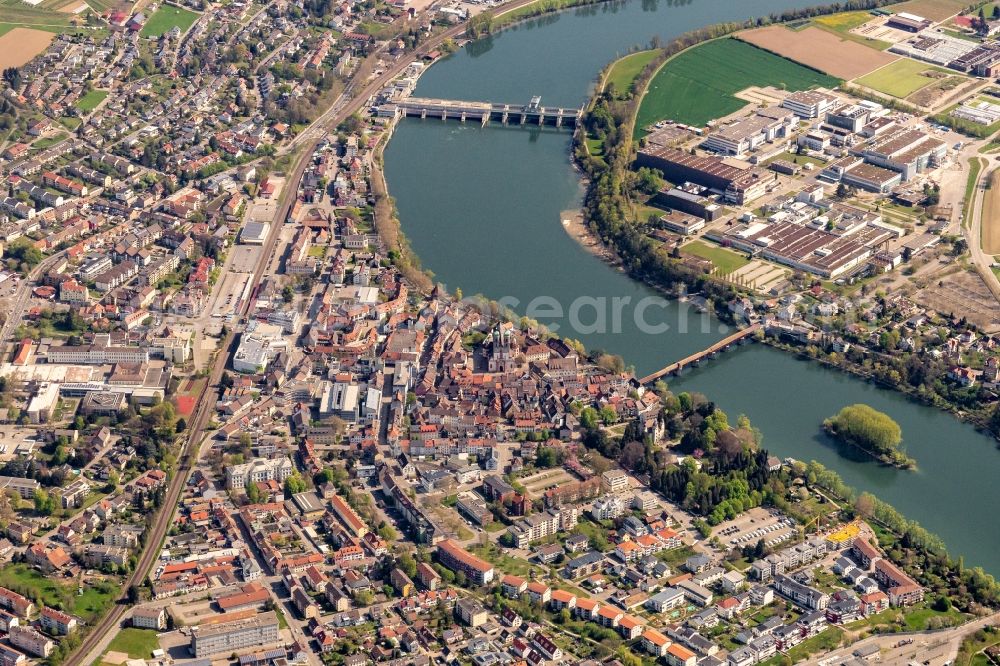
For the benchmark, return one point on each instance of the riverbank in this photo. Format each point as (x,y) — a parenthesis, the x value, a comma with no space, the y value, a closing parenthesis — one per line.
(582,230)
(480,205)
(387,223)
(980,421)
(389,228)
(573,222)
(607,210)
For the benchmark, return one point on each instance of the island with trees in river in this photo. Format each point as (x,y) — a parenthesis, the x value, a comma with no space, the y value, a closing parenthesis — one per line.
(872,431)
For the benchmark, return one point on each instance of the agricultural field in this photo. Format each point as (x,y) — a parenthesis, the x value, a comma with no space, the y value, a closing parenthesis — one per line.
(89,102)
(846,26)
(101,6)
(624,71)
(820,49)
(19,45)
(53,16)
(166,18)
(902,78)
(843,22)
(697,85)
(941,89)
(935,10)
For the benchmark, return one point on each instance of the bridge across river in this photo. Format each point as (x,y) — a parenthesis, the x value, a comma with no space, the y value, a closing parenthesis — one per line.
(736,337)
(532,113)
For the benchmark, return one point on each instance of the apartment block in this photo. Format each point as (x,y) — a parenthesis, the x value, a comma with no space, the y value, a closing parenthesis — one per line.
(229,637)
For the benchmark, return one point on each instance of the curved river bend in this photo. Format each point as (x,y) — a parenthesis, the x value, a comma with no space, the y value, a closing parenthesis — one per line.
(481,207)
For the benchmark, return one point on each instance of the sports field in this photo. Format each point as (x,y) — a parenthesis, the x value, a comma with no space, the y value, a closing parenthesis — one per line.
(624,71)
(166,18)
(697,85)
(901,78)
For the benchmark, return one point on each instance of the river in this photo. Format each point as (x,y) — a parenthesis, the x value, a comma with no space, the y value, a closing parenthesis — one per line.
(482,209)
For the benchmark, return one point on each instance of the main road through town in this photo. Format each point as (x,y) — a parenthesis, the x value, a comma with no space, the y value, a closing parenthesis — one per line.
(22,294)
(340,111)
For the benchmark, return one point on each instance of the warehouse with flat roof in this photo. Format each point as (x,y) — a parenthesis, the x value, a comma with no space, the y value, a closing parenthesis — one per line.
(255,233)
(807,247)
(738,181)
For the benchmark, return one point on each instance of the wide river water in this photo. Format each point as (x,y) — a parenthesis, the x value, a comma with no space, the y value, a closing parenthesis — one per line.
(482,209)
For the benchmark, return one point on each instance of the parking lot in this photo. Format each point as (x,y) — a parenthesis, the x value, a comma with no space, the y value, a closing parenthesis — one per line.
(12,436)
(754,525)
(8,283)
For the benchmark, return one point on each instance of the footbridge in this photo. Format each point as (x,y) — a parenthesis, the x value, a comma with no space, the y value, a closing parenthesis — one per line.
(532,113)
(736,338)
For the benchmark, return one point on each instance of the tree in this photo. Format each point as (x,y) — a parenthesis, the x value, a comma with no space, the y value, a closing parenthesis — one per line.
(407,564)
(12,77)
(44,503)
(546,457)
(865,505)
(599,541)
(352,124)
(113,479)
(868,428)
(649,181)
(253,493)
(294,484)
(480,25)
